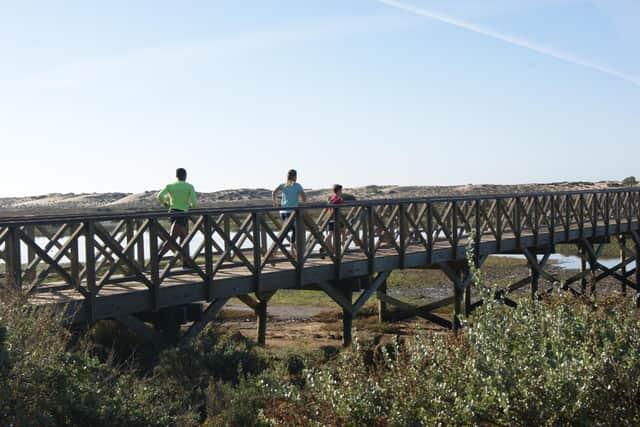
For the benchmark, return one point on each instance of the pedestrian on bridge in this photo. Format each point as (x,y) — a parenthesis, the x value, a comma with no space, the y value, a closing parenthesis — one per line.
(291,192)
(334,199)
(179,197)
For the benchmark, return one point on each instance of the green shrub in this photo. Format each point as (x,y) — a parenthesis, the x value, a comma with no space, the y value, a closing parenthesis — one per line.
(629,181)
(550,362)
(547,362)
(42,382)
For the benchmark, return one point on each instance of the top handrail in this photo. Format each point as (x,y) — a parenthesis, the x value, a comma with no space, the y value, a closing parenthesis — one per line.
(157,213)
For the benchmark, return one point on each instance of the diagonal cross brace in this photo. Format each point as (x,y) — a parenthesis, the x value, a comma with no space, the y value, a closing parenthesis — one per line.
(181,248)
(373,288)
(122,257)
(208,315)
(278,241)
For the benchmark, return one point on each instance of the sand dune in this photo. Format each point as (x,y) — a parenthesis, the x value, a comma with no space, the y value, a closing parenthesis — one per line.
(120,202)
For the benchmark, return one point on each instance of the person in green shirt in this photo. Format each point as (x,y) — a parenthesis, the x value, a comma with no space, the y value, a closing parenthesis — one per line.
(179,196)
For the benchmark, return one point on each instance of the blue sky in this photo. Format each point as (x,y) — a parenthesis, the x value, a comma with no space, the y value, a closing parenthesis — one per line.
(113,96)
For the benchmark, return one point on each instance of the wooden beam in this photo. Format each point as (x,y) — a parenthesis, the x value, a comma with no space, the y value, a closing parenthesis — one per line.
(364,297)
(419,311)
(208,315)
(261,323)
(338,296)
(382,306)
(347,320)
(249,301)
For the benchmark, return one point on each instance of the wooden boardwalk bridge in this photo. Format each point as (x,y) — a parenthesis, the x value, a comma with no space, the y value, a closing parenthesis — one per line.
(109,266)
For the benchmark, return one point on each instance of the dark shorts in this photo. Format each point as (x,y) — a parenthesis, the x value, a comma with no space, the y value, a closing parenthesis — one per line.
(182,221)
(285,216)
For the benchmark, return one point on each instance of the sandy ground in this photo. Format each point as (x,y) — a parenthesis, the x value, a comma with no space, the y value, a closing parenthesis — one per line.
(122,202)
(296,327)
(313,327)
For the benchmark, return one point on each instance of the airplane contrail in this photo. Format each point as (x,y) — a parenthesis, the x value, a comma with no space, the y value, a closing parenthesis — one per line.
(516,41)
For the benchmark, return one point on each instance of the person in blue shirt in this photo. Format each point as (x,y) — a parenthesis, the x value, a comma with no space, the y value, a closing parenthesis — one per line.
(291,193)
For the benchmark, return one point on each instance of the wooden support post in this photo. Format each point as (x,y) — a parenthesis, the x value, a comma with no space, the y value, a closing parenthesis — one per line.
(458,297)
(226,224)
(140,247)
(187,250)
(430,236)
(30,274)
(256,218)
(404,231)
(583,269)
(623,244)
(261,314)
(300,243)
(347,321)
(461,279)
(516,221)
(75,262)
(370,241)
(337,241)
(581,215)
(552,220)
(154,264)
(498,224)
(259,307)
(129,231)
(535,280)
(567,216)
(607,213)
(208,256)
(90,268)
(264,246)
(382,305)
(14,261)
(454,230)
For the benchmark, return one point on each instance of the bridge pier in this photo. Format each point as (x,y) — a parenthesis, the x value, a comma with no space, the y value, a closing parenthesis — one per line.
(460,275)
(622,243)
(583,270)
(382,305)
(347,320)
(535,279)
(341,292)
(259,307)
(261,327)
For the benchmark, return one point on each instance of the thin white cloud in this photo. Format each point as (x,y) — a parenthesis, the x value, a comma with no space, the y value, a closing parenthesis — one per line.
(516,41)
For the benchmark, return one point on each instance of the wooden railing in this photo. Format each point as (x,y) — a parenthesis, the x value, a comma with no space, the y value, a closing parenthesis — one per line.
(87,253)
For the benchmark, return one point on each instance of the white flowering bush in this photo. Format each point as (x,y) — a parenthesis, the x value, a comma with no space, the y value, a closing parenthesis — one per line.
(559,361)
